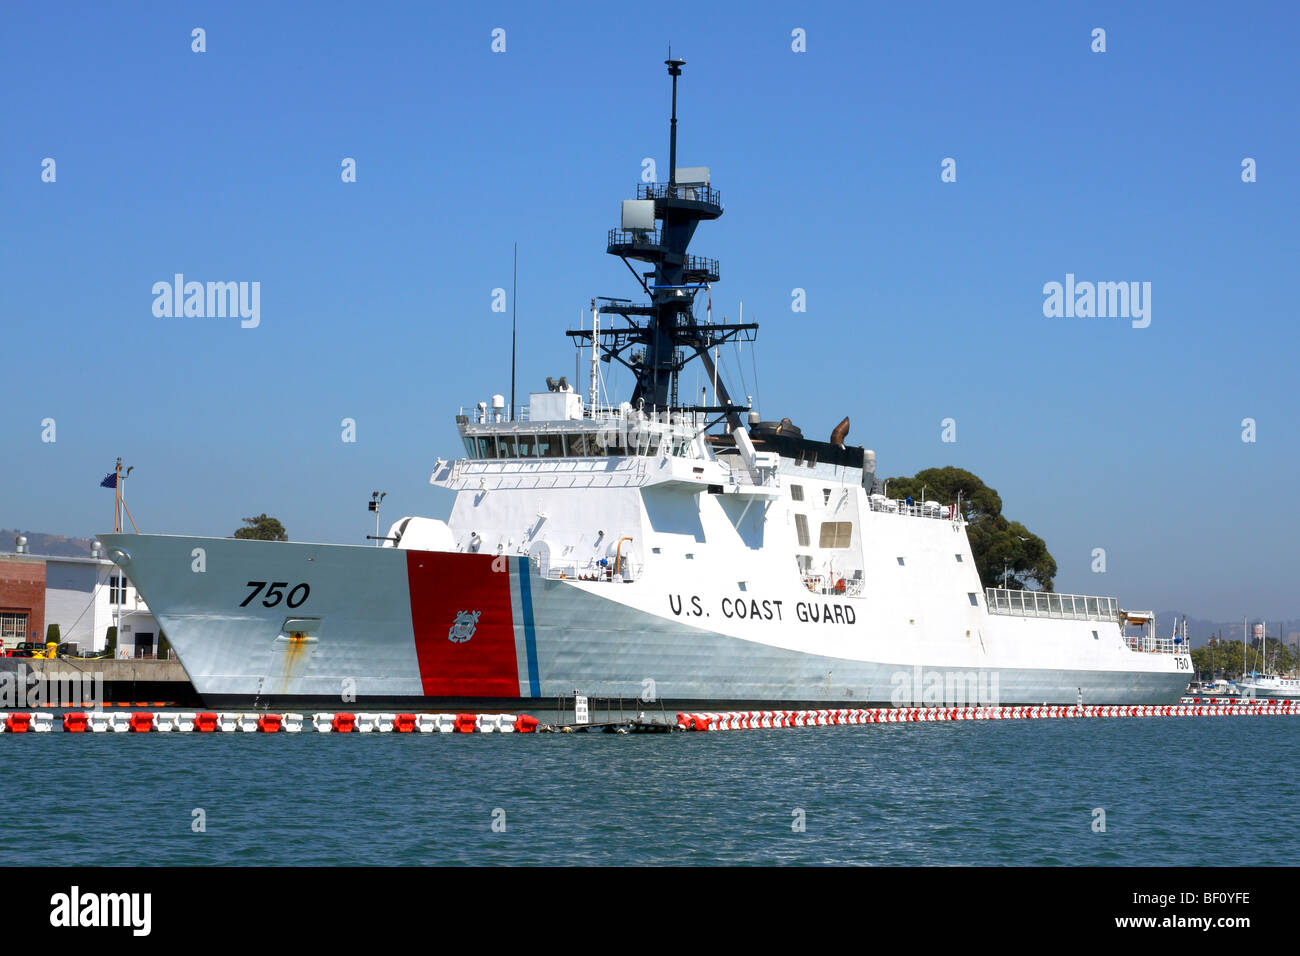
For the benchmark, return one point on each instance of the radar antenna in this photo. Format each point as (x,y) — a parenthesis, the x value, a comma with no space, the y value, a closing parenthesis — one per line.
(660,337)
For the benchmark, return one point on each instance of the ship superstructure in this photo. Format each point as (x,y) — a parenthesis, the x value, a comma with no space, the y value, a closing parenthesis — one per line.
(659,549)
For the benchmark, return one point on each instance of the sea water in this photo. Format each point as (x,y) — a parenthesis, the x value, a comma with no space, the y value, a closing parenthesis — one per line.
(1150,792)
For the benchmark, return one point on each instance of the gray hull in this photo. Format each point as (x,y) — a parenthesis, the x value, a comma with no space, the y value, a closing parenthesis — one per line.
(434,631)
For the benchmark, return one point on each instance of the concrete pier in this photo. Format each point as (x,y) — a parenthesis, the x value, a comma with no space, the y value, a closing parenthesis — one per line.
(126,681)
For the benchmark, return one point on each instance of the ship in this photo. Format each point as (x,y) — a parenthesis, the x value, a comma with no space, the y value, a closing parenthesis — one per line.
(1256,684)
(676,552)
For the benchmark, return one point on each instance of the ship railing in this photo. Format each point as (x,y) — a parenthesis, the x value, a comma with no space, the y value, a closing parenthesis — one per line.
(472,416)
(894,506)
(739,474)
(1079,607)
(695,193)
(636,238)
(602,412)
(703,267)
(590,570)
(1155,645)
(848,584)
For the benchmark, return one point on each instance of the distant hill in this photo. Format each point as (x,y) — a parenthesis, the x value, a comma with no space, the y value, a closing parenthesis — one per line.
(53,544)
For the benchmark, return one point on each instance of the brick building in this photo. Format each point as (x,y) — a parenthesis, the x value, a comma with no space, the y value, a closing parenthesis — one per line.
(84,596)
(22,599)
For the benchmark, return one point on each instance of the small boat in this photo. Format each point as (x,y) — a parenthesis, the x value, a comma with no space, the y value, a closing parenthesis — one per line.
(1256,684)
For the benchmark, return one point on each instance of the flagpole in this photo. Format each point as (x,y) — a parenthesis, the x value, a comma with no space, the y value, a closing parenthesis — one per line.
(514,287)
(117,528)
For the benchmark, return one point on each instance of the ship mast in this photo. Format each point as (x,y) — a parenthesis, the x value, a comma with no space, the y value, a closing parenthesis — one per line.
(662,335)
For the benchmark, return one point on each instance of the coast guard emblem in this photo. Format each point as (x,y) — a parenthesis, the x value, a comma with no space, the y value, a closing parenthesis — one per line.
(463,627)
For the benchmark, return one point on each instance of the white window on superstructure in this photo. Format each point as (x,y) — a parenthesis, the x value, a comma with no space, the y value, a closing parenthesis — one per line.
(836,534)
(974,601)
(796,492)
(826,496)
(958,557)
(900,563)
(801,530)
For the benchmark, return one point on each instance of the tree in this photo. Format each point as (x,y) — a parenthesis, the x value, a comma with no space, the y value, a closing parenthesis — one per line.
(263,528)
(164,648)
(996,542)
(110,647)
(1224,658)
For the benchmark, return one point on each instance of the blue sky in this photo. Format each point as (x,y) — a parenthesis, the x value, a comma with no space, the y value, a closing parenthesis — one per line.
(924,298)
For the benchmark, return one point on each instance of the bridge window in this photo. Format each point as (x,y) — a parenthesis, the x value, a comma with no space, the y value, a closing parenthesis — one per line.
(796,492)
(550,446)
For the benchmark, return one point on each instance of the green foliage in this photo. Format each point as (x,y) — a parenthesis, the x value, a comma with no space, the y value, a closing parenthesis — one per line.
(996,542)
(1223,658)
(110,649)
(52,634)
(263,528)
(163,649)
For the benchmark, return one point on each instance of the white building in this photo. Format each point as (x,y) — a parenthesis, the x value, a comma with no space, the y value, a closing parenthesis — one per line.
(84,597)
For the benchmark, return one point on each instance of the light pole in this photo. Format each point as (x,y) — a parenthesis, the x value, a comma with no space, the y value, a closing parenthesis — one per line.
(375,498)
(120,596)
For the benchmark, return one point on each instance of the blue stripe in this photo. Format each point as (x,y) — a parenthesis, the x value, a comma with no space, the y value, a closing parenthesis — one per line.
(530,636)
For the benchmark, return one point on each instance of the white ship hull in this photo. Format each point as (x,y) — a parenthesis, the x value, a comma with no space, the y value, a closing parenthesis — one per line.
(379,626)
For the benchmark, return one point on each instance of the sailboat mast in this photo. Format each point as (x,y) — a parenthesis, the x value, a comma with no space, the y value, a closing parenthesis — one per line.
(514,288)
